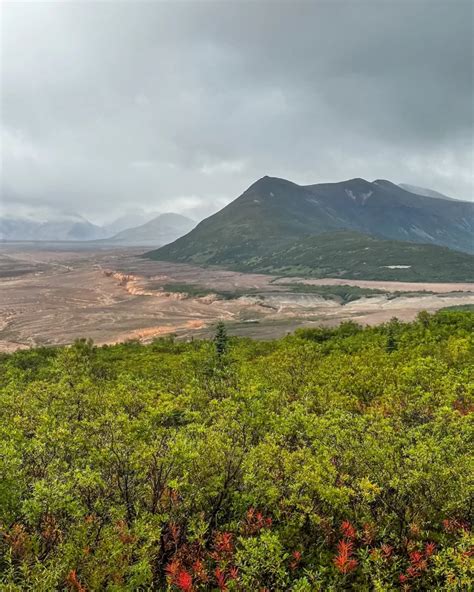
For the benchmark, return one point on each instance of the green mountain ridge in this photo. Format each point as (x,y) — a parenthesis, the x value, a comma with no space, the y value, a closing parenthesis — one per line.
(351,255)
(271,225)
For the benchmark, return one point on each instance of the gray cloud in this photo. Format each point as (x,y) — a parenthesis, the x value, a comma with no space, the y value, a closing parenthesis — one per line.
(180,106)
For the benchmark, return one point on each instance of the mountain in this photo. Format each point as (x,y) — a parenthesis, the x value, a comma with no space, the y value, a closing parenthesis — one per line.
(129,219)
(64,227)
(351,255)
(160,231)
(423,191)
(72,227)
(274,214)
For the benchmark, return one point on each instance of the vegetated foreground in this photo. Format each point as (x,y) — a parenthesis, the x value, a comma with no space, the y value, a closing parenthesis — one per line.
(332,459)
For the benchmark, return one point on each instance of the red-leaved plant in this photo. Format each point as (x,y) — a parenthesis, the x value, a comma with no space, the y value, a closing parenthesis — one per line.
(344,561)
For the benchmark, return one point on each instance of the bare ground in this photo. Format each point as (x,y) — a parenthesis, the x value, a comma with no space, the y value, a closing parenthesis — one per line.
(56,294)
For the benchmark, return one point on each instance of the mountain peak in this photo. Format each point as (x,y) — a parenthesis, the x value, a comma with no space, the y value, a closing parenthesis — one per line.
(162,229)
(273,213)
(359,184)
(385,183)
(173,217)
(267,181)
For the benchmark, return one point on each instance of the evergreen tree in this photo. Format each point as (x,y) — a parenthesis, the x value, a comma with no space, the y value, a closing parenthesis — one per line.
(391,344)
(221,340)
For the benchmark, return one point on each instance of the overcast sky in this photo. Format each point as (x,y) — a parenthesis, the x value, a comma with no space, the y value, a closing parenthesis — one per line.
(174,106)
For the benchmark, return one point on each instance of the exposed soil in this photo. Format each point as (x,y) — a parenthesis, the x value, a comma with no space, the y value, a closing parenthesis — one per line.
(53,294)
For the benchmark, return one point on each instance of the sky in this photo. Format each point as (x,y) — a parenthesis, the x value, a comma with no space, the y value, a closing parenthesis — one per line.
(110,106)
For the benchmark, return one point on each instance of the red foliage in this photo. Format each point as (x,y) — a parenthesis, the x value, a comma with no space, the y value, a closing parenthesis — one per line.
(184,581)
(199,571)
(387,550)
(348,531)
(233,573)
(220,579)
(418,562)
(344,561)
(178,576)
(255,521)
(296,559)
(416,557)
(74,582)
(223,542)
(223,547)
(452,525)
(18,539)
(430,548)
(172,569)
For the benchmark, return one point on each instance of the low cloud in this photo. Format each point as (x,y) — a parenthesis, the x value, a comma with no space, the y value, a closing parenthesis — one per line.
(180,106)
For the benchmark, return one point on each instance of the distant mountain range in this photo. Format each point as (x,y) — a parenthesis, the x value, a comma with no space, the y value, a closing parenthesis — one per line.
(424,191)
(158,231)
(66,227)
(280,227)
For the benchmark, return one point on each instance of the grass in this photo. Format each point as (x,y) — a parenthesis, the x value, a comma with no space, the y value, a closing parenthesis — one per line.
(460,307)
(343,294)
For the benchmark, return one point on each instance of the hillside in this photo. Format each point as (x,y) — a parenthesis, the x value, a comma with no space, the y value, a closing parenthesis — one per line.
(424,191)
(274,213)
(353,255)
(161,230)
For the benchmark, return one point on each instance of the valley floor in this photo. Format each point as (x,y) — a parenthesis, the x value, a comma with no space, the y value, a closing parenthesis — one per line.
(53,294)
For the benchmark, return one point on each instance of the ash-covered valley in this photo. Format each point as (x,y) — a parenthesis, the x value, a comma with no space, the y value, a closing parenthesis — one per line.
(52,294)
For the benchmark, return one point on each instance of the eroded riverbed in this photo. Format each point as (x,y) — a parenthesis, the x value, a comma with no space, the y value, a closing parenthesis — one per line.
(55,294)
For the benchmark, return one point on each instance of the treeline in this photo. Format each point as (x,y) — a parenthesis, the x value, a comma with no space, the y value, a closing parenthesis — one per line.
(332,459)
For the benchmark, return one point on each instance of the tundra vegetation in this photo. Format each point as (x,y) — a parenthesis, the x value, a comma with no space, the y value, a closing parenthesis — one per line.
(332,459)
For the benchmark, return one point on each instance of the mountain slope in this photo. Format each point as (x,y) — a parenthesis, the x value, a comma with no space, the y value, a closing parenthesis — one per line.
(160,231)
(274,212)
(129,219)
(424,191)
(352,255)
(277,225)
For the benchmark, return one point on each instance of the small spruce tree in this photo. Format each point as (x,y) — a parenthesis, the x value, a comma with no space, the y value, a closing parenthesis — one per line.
(391,344)
(221,341)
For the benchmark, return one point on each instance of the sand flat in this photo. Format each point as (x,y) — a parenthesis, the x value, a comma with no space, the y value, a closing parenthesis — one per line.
(53,295)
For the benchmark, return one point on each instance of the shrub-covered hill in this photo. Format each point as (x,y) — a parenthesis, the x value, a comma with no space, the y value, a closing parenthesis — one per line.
(357,256)
(333,459)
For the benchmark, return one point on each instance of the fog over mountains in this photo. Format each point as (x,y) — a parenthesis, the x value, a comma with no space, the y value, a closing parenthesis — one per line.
(160,230)
(271,214)
(70,227)
(134,228)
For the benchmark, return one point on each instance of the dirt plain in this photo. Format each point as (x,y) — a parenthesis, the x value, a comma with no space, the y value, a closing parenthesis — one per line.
(51,294)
